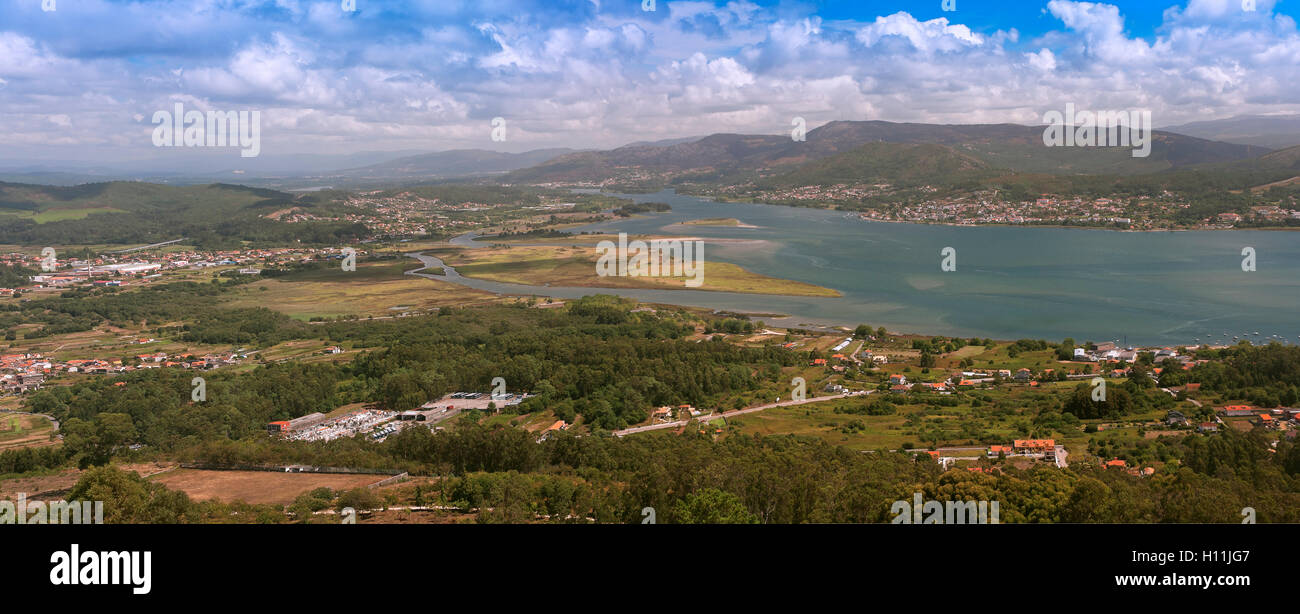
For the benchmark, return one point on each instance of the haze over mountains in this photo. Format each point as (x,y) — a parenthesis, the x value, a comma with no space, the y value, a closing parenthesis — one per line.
(454,163)
(717,157)
(1272,131)
(1009,147)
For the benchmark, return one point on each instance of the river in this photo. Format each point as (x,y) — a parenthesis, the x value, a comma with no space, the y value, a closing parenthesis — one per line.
(1143,288)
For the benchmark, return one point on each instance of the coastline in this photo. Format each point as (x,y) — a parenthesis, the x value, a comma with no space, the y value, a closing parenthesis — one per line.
(858,214)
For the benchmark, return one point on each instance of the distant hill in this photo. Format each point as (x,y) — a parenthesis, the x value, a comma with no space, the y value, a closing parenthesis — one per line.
(665,142)
(1272,131)
(1288,158)
(1016,148)
(133,212)
(895,163)
(452,163)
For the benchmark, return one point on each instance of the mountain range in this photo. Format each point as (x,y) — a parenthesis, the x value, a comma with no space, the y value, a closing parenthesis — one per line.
(846,150)
(1007,147)
(1272,131)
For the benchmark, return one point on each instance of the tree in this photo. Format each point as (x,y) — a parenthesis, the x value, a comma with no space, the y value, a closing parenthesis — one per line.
(131,499)
(1065,351)
(358,499)
(97,440)
(712,506)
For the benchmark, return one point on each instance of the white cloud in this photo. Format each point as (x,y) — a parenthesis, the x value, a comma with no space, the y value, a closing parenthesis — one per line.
(924,36)
(690,68)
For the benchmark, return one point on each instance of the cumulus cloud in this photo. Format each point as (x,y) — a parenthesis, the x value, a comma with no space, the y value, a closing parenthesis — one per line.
(431,74)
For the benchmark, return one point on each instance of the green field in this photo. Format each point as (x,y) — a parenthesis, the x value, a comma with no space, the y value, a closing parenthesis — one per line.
(18,430)
(371,290)
(58,215)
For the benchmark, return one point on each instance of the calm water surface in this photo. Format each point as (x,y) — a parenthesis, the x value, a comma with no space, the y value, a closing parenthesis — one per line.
(1010,282)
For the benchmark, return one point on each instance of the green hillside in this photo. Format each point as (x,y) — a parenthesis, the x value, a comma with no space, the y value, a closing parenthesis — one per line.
(132,212)
(895,163)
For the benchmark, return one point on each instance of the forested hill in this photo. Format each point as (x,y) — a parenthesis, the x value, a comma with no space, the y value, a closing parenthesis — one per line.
(132,212)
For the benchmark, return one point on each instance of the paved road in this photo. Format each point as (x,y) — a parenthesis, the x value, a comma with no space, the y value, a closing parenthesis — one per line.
(736,412)
(151,245)
(1175,395)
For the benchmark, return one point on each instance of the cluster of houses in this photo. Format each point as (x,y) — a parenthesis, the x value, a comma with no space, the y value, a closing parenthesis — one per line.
(898,383)
(987,207)
(669,414)
(1111,353)
(108,270)
(1262,213)
(23,373)
(1284,419)
(406,214)
(1042,449)
(1047,450)
(964,380)
(836,362)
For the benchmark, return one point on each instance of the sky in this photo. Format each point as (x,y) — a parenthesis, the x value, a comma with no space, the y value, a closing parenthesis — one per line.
(84,80)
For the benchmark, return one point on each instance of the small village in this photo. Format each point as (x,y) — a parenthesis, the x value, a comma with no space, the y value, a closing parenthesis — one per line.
(24,373)
(135,268)
(988,206)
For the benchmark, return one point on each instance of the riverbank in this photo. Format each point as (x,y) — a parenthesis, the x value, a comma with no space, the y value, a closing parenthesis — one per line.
(1111,228)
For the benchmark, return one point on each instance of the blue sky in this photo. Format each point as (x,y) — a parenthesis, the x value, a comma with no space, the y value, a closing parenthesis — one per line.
(84,79)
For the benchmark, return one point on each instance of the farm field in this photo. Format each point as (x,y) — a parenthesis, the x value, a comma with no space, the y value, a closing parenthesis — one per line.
(23,430)
(976,418)
(257,487)
(58,215)
(374,289)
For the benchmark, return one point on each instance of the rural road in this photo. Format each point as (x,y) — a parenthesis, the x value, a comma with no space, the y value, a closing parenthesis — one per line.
(737,412)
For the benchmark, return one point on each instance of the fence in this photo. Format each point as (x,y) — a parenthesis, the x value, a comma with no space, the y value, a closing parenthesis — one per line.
(293,469)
